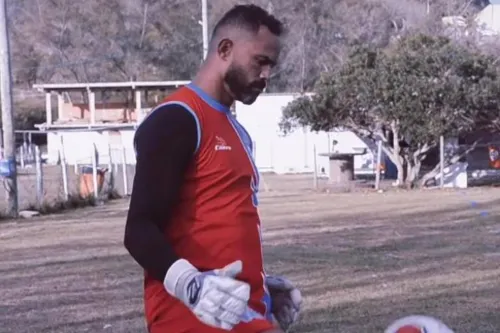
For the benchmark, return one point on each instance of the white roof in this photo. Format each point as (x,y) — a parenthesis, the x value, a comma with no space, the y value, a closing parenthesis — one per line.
(108,85)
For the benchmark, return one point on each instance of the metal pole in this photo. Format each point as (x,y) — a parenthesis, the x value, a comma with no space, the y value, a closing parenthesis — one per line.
(94,172)
(441,161)
(64,170)
(39,177)
(9,152)
(124,170)
(204,24)
(378,165)
(315,175)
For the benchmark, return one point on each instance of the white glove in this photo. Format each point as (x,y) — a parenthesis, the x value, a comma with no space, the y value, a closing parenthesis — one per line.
(215,297)
(286,300)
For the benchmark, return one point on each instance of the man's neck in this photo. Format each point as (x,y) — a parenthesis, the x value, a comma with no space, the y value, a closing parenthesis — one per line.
(209,81)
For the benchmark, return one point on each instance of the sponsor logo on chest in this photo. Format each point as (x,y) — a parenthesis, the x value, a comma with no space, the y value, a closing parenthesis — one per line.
(221,144)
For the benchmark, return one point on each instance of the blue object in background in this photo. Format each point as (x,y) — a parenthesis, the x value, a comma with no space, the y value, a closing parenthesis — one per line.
(391,172)
(7,167)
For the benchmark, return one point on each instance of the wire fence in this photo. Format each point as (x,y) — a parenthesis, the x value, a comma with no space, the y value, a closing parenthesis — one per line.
(450,165)
(101,174)
(51,187)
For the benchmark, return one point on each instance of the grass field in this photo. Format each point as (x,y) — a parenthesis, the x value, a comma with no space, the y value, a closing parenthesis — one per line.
(361,260)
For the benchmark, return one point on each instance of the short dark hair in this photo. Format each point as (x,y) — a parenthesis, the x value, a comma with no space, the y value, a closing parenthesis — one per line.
(251,18)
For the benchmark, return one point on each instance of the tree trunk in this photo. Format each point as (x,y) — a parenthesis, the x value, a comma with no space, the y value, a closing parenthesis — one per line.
(409,170)
(398,160)
(413,172)
(429,175)
(401,173)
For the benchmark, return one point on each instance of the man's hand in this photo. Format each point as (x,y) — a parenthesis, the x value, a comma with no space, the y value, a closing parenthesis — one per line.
(215,297)
(286,300)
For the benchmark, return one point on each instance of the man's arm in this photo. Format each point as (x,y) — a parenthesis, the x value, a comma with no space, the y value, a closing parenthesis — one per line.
(165,143)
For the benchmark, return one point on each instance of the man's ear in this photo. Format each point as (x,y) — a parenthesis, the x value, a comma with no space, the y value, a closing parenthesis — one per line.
(225,48)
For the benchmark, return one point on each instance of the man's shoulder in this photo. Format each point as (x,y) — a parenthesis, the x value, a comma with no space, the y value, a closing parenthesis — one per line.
(182,96)
(167,119)
(176,103)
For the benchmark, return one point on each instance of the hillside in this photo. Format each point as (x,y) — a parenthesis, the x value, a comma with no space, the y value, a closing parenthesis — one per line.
(115,40)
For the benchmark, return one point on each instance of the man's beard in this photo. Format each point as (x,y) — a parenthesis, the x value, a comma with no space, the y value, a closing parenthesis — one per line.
(243,91)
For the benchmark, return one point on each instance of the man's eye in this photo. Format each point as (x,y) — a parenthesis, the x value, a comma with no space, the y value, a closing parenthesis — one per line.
(261,61)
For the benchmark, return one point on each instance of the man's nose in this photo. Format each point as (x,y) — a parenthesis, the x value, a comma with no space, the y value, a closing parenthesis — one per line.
(265,73)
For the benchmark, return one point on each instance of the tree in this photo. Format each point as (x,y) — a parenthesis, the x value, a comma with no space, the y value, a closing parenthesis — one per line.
(407,95)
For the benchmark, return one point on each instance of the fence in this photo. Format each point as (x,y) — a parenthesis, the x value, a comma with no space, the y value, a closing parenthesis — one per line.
(47,188)
(451,164)
(42,186)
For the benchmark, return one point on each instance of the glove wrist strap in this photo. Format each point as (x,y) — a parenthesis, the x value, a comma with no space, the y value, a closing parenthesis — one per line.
(177,277)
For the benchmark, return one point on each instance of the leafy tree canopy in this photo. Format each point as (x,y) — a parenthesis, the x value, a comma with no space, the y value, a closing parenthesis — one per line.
(412,92)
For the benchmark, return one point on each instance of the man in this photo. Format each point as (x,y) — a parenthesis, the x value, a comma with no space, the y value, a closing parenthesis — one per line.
(193,223)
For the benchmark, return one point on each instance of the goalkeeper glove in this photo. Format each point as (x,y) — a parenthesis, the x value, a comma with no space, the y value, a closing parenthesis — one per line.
(286,300)
(215,297)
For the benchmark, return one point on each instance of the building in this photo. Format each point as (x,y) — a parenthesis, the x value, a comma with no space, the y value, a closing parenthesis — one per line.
(488,20)
(299,151)
(103,128)
(98,118)
(85,121)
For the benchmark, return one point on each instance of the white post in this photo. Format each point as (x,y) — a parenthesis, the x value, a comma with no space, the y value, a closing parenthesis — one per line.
(110,160)
(7,110)
(30,147)
(441,161)
(48,108)
(21,157)
(39,177)
(92,106)
(110,170)
(138,106)
(378,165)
(124,170)
(94,172)
(204,24)
(62,157)
(304,131)
(315,177)
(60,107)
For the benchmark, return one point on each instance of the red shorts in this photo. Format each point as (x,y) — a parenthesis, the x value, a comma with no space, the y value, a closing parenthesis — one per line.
(193,325)
(164,314)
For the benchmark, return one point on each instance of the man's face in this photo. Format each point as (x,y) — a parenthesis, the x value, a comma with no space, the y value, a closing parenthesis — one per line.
(250,66)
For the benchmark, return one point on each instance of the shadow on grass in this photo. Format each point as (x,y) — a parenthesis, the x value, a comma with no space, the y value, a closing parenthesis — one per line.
(445,263)
(461,310)
(441,263)
(85,294)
